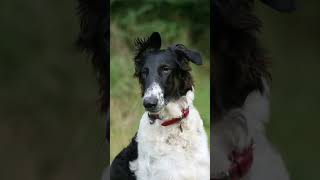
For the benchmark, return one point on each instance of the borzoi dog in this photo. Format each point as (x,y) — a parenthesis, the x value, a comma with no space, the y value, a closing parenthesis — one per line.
(171,141)
(240,148)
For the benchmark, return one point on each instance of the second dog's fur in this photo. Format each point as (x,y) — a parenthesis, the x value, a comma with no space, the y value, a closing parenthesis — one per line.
(241,95)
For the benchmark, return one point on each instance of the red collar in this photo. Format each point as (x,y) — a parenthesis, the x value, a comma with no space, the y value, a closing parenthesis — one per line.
(240,166)
(185,113)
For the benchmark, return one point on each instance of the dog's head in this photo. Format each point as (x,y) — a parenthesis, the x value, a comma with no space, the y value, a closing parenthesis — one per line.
(164,74)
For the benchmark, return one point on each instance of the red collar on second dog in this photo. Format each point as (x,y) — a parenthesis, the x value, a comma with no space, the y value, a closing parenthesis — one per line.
(168,122)
(241,163)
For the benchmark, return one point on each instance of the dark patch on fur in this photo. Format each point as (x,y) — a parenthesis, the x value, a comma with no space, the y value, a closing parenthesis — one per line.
(94,39)
(120,169)
(179,83)
(141,46)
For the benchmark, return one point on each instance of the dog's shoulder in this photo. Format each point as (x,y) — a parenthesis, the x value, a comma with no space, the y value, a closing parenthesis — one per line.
(120,166)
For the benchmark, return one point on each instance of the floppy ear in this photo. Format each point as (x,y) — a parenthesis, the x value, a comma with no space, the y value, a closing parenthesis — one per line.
(143,45)
(281,5)
(185,55)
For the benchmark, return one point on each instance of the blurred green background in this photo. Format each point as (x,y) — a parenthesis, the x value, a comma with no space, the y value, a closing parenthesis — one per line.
(293,44)
(178,22)
(50,127)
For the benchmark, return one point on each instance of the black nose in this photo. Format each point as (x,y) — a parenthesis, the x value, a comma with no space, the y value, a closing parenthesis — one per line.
(150,102)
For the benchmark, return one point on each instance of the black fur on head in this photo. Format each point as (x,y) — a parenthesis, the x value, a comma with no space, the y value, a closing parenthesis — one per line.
(167,68)
(94,38)
(239,62)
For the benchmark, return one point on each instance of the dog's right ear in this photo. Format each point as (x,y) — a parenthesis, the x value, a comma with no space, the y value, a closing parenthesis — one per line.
(185,55)
(143,45)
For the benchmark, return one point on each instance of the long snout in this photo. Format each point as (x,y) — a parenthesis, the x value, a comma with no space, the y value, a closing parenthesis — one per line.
(153,99)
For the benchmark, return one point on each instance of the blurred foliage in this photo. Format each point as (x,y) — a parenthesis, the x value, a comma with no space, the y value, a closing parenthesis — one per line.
(293,44)
(132,19)
(174,19)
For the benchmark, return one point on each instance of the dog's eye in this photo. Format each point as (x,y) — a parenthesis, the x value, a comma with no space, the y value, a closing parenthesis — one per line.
(165,68)
(144,73)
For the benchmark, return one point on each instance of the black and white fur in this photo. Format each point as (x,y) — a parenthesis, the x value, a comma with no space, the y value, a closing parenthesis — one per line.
(240,90)
(176,152)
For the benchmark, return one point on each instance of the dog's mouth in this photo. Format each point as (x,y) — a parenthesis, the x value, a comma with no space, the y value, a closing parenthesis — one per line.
(153,110)
(155,113)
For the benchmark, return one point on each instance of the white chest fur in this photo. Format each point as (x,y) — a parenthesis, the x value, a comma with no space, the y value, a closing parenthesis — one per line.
(172,152)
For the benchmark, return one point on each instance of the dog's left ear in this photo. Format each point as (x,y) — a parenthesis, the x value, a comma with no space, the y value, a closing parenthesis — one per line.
(143,45)
(155,40)
(185,55)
